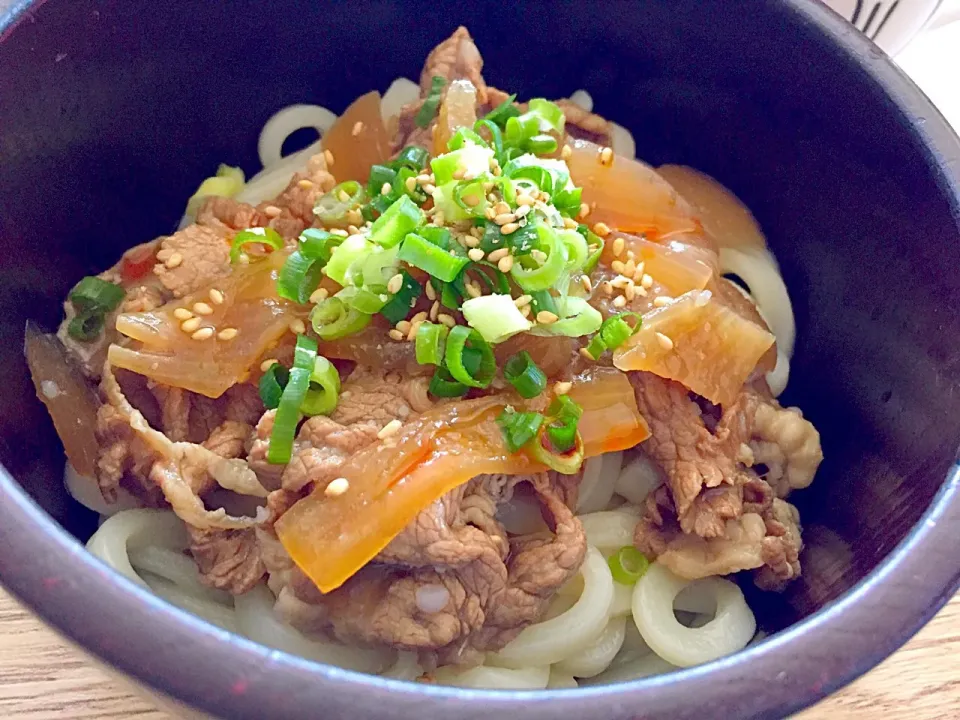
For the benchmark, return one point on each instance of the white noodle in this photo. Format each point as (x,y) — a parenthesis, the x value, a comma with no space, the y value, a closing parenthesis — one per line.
(561,681)
(495,678)
(86,492)
(401,92)
(177,568)
(287,121)
(653,603)
(220,615)
(639,478)
(553,640)
(407,667)
(631,667)
(133,529)
(622,603)
(583,99)
(599,477)
(610,530)
(596,657)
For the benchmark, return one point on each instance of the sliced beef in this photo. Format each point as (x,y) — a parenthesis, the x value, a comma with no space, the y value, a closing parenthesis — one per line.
(204,256)
(584,124)
(787,445)
(227,559)
(455,58)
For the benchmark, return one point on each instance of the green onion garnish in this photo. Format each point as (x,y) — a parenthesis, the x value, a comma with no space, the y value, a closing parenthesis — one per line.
(380,174)
(430,343)
(399,305)
(86,326)
(459,341)
(94,294)
(562,429)
(324,391)
(254,236)
(288,410)
(503,112)
(402,217)
(542,144)
(627,565)
(577,318)
(443,385)
(529,275)
(430,105)
(423,254)
(566,463)
(549,115)
(412,157)
(543,300)
(496,137)
(333,208)
(521,128)
(350,254)
(332,319)
(518,428)
(576,246)
(362,299)
(299,277)
(522,372)
(272,383)
(463,136)
(495,317)
(319,244)
(615,330)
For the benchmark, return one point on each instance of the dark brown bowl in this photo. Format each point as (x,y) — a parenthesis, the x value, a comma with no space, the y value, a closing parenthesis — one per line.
(111,112)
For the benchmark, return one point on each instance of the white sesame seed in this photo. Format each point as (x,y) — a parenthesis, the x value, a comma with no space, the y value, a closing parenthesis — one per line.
(601,229)
(297,327)
(586,283)
(509,228)
(661,301)
(201,308)
(339,232)
(389,429)
(203,334)
(586,353)
(438,218)
(386,188)
(228,333)
(434,310)
(396,335)
(646,282)
(410,184)
(473,290)
(174,260)
(566,152)
(584,210)
(703,298)
(475,254)
(357,128)
(523,211)
(618,267)
(343,196)
(619,301)
(431,293)
(545,317)
(267,364)
(630,292)
(524,200)
(539,256)
(607,287)
(182,314)
(191,325)
(328,156)
(629,268)
(420,316)
(216,297)
(506,264)
(318,295)
(562,388)
(305,184)
(471,241)
(337,487)
(526,310)
(496,255)
(428,188)
(403,326)
(522,300)
(665,342)
(606,156)
(396,282)
(446,320)
(504,218)
(570,223)
(272,211)
(414,328)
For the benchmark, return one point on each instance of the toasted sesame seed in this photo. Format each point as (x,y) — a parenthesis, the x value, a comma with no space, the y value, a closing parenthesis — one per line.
(318,295)
(504,218)
(423,178)
(272,211)
(397,335)
(267,364)
(646,282)
(471,200)
(191,325)
(562,388)
(414,327)
(524,199)
(661,300)
(501,208)
(545,317)
(434,310)
(446,320)
(389,429)
(410,184)
(703,298)
(522,301)
(506,264)
(586,353)
(470,241)
(343,196)
(182,314)
(328,156)
(526,310)
(606,156)
(337,487)
(431,293)
(618,246)
(216,297)
(617,266)
(630,292)
(509,228)
(607,287)
(395,284)
(297,327)
(228,333)
(489,213)
(619,301)
(204,333)
(305,184)
(174,260)
(621,281)
(601,229)
(570,223)
(523,211)
(357,128)
(419,317)
(473,290)
(539,256)
(475,254)
(566,152)
(201,308)
(629,268)
(438,218)
(640,291)
(586,283)
(459,173)
(386,188)
(665,342)
(584,210)
(339,232)
(403,326)
(496,255)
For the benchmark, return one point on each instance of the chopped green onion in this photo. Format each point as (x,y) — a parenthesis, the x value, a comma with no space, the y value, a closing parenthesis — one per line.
(548,174)
(549,115)
(542,144)
(565,414)
(615,330)
(416,194)
(333,319)
(577,318)
(568,201)
(566,463)
(627,565)
(470,197)
(254,236)
(380,174)
(463,136)
(421,253)
(530,276)
(362,299)
(429,108)
(596,347)
(441,237)
(486,272)
(288,415)
(95,294)
(518,428)
(524,239)
(503,112)
(304,352)
(592,241)
(443,385)
(450,297)
(412,157)
(430,341)
(299,277)
(324,390)
(86,326)
(399,305)
(319,244)
(471,159)
(461,339)
(272,383)
(496,137)
(520,128)
(351,251)
(333,207)
(495,317)
(375,270)
(522,372)
(402,217)
(543,300)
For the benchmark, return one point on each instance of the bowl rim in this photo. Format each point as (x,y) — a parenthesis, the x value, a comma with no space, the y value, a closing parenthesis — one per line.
(214,670)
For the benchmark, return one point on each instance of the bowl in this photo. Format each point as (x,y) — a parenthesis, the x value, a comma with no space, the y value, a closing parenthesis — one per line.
(113,112)
(891,24)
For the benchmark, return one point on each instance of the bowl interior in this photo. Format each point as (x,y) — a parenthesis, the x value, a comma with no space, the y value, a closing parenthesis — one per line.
(121,109)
